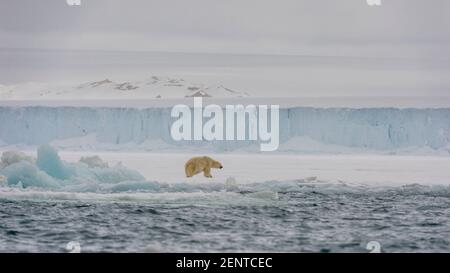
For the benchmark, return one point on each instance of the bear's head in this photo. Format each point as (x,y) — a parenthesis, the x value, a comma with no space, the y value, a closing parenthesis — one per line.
(216,164)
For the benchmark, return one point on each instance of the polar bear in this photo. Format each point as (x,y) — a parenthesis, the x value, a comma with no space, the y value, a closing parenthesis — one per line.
(199,164)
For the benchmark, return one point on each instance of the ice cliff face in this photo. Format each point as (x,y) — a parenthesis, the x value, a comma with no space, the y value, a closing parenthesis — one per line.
(372,129)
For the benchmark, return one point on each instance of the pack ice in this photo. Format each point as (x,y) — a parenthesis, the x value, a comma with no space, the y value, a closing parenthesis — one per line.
(50,172)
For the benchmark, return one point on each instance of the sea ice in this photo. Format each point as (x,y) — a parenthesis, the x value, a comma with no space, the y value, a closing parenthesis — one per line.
(49,171)
(94,161)
(11,157)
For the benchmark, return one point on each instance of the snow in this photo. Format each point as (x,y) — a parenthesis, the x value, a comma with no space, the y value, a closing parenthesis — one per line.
(371,170)
(418,102)
(245,178)
(258,75)
(250,168)
(154,87)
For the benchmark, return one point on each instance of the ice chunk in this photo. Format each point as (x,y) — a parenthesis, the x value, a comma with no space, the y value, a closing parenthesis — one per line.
(271,195)
(115,174)
(49,171)
(3,180)
(49,161)
(11,157)
(231,184)
(27,174)
(94,161)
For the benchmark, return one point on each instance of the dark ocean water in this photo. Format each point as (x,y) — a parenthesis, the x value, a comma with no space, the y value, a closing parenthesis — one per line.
(312,219)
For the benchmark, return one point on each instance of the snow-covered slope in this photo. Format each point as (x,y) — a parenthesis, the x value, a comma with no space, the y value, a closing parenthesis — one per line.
(153,87)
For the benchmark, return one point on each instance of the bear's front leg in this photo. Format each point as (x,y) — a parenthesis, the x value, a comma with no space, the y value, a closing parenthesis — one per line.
(207,172)
(190,170)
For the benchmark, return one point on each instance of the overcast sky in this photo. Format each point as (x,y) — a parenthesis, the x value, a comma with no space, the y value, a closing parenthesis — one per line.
(308,27)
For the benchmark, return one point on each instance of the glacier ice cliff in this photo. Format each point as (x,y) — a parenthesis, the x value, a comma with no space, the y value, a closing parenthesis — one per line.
(382,129)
